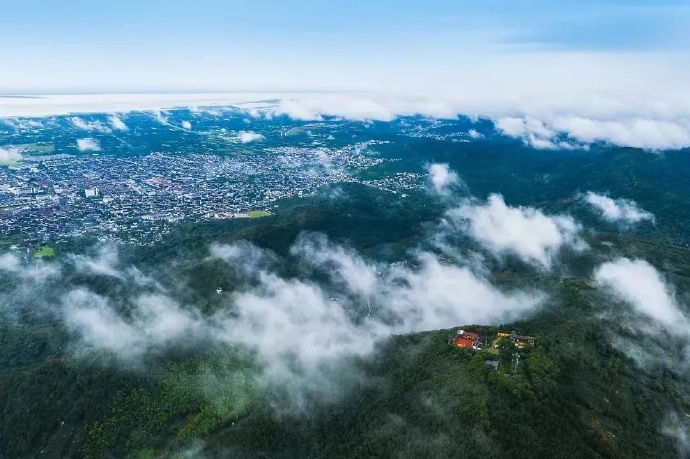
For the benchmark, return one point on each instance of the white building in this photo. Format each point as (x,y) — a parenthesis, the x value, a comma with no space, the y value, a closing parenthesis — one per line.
(91,192)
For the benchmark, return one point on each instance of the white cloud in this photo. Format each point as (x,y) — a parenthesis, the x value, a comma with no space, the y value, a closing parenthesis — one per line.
(373,302)
(9,262)
(474,134)
(640,284)
(186,125)
(549,133)
(105,263)
(80,123)
(266,310)
(442,178)
(249,136)
(160,116)
(564,122)
(117,123)
(355,273)
(161,319)
(439,294)
(363,107)
(10,155)
(319,331)
(532,131)
(156,321)
(96,126)
(619,210)
(88,144)
(22,124)
(248,257)
(523,231)
(98,324)
(543,119)
(652,134)
(34,271)
(674,427)
(518,127)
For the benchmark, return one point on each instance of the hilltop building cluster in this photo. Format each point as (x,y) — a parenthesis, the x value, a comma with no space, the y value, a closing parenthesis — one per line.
(465,339)
(520,341)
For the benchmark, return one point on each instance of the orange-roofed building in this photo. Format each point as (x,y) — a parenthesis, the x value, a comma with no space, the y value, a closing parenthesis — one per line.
(466,340)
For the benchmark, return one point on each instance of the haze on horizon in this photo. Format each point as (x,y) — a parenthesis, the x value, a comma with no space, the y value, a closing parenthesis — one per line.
(442,47)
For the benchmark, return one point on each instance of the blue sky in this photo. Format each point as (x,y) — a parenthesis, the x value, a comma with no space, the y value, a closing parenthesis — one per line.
(124,45)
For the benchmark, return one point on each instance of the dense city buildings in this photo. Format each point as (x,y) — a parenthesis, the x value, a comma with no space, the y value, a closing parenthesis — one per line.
(50,195)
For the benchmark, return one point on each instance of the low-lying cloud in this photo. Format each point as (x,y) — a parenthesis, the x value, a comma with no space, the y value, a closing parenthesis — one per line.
(249,136)
(10,155)
(640,285)
(474,134)
(88,144)
(618,210)
(442,178)
(9,262)
(20,124)
(562,123)
(160,116)
(525,232)
(550,121)
(533,132)
(361,304)
(156,321)
(85,125)
(104,263)
(303,332)
(567,132)
(33,271)
(117,123)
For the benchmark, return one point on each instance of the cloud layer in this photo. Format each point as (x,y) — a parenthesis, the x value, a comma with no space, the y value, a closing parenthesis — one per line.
(619,210)
(117,123)
(88,144)
(525,232)
(442,178)
(543,120)
(249,136)
(361,304)
(156,321)
(95,126)
(356,304)
(9,155)
(639,284)
(567,132)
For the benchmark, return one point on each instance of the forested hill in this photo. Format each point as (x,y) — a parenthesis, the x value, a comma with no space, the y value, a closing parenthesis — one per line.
(577,392)
(570,396)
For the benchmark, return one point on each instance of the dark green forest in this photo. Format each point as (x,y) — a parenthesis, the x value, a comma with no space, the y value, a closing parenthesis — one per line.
(573,394)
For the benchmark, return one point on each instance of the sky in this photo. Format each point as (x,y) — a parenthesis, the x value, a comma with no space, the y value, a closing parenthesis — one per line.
(82,46)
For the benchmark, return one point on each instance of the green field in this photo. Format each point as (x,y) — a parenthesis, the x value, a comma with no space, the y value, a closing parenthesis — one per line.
(258,214)
(44,252)
(302,129)
(38,148)
(8,241)
(294,131)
